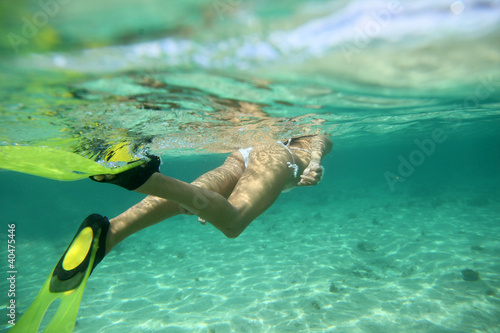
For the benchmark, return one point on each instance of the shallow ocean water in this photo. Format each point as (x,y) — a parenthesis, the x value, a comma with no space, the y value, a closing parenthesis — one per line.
(408,92)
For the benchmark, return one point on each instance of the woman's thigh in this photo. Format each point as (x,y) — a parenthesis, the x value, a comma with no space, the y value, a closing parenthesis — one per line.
(222,180)
(262,182)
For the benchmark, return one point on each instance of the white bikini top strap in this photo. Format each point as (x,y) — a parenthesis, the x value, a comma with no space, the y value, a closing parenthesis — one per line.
(308,151)
(287,145)
(293,165)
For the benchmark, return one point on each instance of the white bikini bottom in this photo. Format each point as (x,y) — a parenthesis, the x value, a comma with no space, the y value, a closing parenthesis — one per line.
(245,152)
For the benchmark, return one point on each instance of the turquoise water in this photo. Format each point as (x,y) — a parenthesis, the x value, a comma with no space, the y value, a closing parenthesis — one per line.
(408,92)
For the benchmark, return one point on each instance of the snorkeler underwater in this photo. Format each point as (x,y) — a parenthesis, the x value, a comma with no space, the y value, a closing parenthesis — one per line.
(298,166)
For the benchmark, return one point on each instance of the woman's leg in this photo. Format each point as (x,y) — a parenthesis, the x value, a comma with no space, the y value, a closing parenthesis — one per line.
(146,213)
(154,209)
(256,190)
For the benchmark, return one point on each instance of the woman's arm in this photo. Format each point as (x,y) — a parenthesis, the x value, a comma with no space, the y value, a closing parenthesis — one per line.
(321,146)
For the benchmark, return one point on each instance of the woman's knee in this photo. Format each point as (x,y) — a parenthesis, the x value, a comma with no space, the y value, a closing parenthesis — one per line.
(234,227)
(231,233)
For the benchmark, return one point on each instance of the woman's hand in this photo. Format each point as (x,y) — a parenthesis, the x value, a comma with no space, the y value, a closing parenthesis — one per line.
(312,175)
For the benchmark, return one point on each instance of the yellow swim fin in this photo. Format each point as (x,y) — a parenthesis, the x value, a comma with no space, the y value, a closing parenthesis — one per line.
(59,164)
(68,279)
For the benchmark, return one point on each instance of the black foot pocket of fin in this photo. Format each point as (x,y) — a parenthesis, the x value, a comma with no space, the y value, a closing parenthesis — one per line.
(135,177)
(68,279)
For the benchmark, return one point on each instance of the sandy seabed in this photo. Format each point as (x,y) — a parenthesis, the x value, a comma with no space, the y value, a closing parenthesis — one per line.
(339,263)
